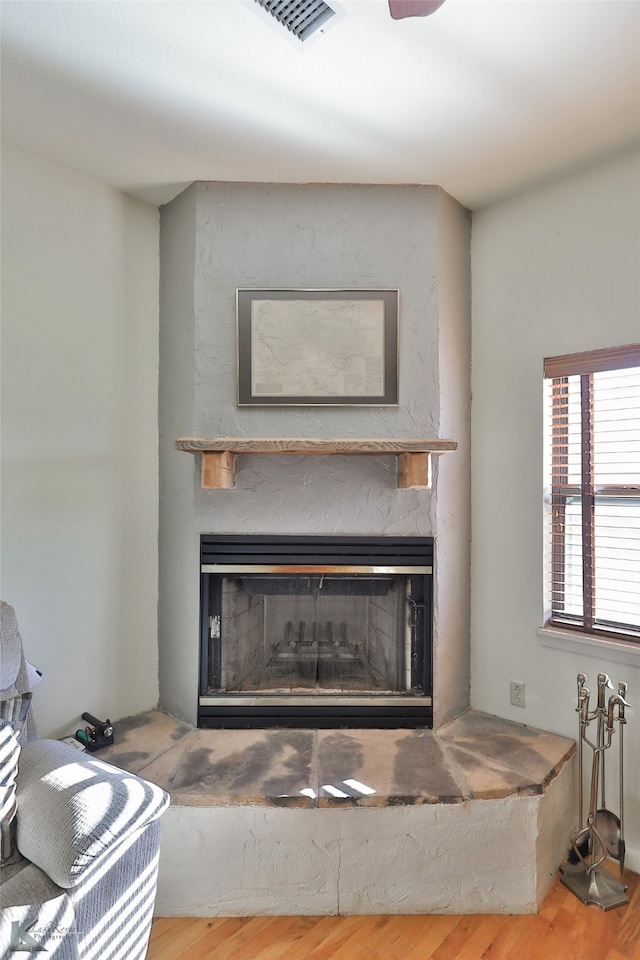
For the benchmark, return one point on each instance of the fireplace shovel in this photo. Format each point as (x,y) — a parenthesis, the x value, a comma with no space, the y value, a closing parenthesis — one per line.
(610,828)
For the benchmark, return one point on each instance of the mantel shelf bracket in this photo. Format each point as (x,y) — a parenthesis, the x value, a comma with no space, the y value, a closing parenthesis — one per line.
(219,453)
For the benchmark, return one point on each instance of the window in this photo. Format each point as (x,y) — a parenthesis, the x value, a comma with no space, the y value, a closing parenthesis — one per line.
(593,492)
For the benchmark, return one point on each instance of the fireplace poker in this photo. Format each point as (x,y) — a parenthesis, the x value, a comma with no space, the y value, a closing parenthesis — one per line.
(622,692)
(583,697)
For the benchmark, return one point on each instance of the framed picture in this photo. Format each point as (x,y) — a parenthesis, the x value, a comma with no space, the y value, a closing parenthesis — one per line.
(324,347)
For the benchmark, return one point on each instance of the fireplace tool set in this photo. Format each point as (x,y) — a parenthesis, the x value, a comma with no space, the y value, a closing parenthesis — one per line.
(603,833)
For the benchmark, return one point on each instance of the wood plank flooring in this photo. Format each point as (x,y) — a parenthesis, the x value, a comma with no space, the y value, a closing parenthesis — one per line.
(564,929)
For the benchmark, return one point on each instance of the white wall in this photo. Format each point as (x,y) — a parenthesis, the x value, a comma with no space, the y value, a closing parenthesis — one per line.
(554,271)
(79,438)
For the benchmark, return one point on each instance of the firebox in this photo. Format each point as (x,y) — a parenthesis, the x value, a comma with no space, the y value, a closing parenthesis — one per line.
(316,631)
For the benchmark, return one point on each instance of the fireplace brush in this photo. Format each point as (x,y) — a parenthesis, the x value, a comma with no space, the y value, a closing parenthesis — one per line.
(603,833)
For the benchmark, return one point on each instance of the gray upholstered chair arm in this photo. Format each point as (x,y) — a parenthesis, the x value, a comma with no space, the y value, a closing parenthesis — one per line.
(73,809)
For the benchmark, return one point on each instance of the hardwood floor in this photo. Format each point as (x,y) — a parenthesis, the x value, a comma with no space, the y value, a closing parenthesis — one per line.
(564,929)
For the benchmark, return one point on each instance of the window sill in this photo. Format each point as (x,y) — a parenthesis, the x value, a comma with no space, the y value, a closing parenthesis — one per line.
(603,648)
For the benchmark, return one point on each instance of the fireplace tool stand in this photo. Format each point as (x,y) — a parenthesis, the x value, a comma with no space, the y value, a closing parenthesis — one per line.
(603,834)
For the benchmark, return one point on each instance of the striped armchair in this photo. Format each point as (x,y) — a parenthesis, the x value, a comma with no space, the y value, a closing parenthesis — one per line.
(80,879)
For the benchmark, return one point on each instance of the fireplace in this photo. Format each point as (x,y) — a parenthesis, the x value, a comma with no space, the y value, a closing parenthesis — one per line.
(316,631)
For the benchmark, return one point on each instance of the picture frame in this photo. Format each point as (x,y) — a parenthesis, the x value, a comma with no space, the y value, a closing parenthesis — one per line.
(317,347)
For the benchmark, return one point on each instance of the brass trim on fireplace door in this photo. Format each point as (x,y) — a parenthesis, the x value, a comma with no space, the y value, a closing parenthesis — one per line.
(306,568)
(314,700)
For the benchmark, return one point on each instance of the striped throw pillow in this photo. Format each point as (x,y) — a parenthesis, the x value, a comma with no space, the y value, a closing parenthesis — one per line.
(9,755)
(15,710)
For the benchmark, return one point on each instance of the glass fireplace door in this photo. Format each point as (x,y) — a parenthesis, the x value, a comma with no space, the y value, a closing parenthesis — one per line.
(288,642)
(298,634)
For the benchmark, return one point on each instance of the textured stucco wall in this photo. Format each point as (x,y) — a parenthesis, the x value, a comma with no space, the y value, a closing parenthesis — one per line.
(179,587)
(481,856)
(452,595)
(303,236)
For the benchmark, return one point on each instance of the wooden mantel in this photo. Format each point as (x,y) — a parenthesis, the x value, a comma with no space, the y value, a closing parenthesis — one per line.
(219,453)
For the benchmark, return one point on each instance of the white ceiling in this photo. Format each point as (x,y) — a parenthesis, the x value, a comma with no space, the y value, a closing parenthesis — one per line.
(484,97)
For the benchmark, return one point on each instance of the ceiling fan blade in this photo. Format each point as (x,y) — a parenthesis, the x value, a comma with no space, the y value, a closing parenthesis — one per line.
(399,9)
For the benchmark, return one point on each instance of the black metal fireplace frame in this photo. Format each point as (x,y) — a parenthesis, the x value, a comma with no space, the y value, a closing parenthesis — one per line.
(413,709)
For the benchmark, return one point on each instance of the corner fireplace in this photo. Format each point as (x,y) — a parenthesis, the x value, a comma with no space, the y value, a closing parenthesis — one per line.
(315,631)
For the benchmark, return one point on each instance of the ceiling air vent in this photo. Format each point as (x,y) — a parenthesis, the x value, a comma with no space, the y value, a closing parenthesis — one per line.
(301,17)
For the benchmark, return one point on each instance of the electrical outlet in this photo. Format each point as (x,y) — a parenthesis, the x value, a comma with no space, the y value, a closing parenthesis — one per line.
(517,694)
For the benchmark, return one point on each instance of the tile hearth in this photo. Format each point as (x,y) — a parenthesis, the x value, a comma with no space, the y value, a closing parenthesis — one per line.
(474,757)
